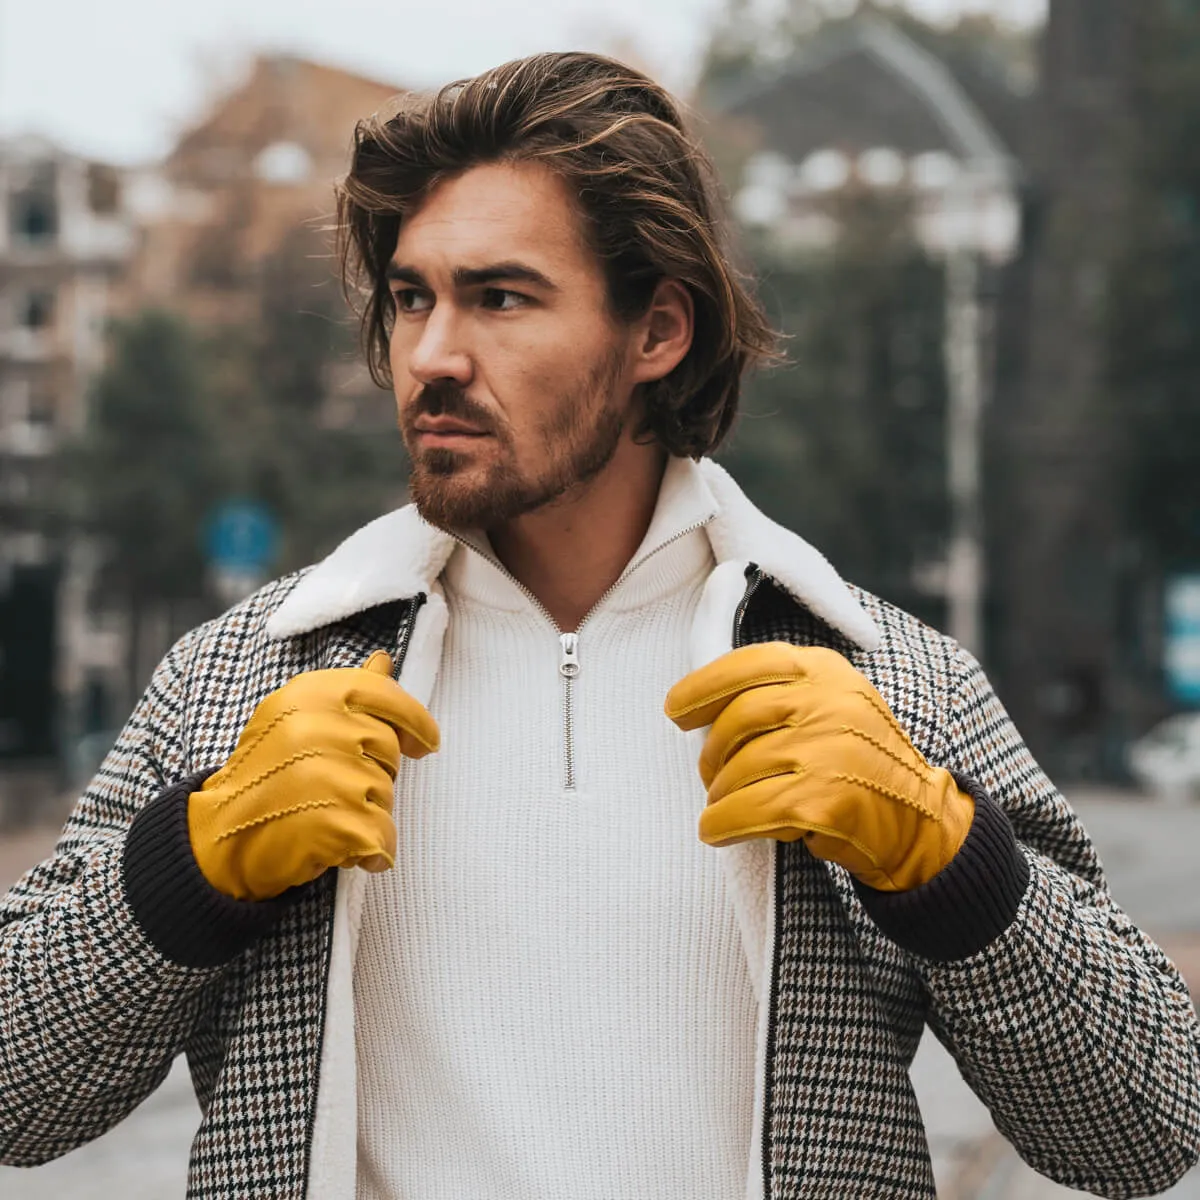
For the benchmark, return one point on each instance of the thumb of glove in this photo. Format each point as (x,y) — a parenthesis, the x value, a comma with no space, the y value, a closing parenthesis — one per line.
(380,663)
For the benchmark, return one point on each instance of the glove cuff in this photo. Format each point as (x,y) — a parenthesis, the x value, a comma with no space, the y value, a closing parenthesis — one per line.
(184,917)
(967,904)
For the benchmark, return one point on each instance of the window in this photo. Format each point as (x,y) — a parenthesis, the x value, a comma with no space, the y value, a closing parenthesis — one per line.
(284,163)
(41,407)
(36,310)
(882,167)
(33,208)
(104,189)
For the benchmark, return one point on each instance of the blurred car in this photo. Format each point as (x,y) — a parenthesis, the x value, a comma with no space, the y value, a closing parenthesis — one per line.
(1166,761)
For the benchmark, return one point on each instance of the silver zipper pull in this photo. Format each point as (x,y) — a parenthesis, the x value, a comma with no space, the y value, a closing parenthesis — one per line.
(568,663)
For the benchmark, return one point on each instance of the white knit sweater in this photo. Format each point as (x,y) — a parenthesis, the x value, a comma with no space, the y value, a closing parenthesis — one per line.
(551,993)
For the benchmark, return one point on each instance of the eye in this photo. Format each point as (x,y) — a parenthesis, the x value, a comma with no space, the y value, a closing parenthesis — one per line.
(502,300)
(412,300)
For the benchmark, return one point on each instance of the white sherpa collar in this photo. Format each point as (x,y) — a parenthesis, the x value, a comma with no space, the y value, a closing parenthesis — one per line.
(398,555)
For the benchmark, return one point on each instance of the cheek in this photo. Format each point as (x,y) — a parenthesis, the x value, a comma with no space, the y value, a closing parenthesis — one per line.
(530,397)
(397,352)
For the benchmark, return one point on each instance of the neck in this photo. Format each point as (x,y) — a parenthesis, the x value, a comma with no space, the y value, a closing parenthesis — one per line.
(571,552)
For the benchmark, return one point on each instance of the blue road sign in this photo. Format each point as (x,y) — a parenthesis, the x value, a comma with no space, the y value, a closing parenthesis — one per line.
(243,537)
(1181,638)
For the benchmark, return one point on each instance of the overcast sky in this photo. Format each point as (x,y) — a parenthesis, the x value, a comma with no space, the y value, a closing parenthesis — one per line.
(119,79)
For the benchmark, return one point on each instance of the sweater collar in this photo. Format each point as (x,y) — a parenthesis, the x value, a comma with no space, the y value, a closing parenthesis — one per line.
(399,555)
(674,540)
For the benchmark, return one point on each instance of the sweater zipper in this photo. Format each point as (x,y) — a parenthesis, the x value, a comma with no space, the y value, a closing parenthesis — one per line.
(568,668)
(754,579)
(568,660)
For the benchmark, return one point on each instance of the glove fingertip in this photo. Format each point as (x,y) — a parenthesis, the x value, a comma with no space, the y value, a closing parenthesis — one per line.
(379,663)
(413,745)
(690,716)
(377,863)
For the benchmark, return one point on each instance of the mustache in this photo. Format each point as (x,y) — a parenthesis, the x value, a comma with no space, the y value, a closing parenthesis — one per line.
(448,400)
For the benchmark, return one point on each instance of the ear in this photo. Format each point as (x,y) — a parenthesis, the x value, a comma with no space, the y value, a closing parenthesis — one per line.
(664,335)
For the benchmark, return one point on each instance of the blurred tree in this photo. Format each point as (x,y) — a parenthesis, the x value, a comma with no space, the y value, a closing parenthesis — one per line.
(144,474)
(272,410)
(300,428)
(846,444)
(1154,294)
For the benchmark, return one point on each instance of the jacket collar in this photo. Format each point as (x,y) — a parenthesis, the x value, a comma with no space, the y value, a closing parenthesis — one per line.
(399,555)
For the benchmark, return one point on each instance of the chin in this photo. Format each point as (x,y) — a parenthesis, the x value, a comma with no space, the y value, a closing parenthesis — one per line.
(450,501)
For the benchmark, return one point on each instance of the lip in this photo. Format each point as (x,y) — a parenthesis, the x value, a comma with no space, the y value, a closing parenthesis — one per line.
(446,427)
(458,438)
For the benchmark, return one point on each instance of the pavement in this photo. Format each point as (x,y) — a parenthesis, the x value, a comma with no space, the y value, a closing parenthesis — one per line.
(1149,851)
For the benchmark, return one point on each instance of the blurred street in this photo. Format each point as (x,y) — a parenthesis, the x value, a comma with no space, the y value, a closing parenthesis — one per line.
(1148,850)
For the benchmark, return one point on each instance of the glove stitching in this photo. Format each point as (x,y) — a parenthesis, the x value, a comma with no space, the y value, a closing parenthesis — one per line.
(243,750)
(886,713)
(890,793)
(299,756)
(924,777)
(274,816)
(732,690)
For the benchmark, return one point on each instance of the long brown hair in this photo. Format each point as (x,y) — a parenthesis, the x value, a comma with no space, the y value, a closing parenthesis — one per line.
(646,193)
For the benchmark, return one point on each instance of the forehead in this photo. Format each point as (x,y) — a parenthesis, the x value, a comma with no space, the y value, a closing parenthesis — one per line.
(493,213)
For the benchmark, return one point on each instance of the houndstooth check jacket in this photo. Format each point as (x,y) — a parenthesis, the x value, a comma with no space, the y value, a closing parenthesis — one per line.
(1072,1026)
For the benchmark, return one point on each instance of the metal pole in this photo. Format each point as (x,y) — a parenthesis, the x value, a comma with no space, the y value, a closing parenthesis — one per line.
(964,375)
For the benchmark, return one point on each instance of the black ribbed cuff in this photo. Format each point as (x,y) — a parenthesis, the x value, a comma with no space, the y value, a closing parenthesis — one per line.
(185,918)
(970,902)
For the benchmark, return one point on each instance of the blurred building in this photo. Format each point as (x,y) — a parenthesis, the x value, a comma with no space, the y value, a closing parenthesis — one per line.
(82,242)
(862,103)
(251,181)
(258,168)
(65,240)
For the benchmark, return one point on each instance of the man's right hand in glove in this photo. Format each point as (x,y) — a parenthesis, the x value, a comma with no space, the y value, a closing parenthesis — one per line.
(310,784)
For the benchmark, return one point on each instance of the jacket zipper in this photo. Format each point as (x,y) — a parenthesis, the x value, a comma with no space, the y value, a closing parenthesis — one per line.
(405,639)
(568,662)
(754,579)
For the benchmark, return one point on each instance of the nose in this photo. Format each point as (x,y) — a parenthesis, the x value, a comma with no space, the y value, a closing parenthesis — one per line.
(439,353)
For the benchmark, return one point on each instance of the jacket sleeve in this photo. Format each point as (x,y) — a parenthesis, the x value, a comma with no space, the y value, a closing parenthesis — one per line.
(1071,1025)
(92,1010)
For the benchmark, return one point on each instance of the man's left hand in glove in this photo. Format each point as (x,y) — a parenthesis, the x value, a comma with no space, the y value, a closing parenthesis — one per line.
(802,746)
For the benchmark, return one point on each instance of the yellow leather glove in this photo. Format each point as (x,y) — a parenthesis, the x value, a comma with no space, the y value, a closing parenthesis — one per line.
(310,784)
(802,746)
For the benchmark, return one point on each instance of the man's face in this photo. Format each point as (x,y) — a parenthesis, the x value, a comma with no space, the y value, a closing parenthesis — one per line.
(512,378)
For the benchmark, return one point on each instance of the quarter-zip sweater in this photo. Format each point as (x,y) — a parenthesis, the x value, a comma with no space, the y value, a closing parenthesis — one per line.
(551,993)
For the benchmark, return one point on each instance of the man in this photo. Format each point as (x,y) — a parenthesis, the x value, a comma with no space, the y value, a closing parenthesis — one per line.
(539,982)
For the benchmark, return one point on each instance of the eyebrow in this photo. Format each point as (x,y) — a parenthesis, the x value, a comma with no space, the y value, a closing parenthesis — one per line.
(464,277)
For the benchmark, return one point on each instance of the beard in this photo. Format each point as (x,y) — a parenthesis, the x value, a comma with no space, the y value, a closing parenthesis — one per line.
(575,442)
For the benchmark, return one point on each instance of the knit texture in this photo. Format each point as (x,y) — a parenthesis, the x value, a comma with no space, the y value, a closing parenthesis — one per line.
(551,994)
